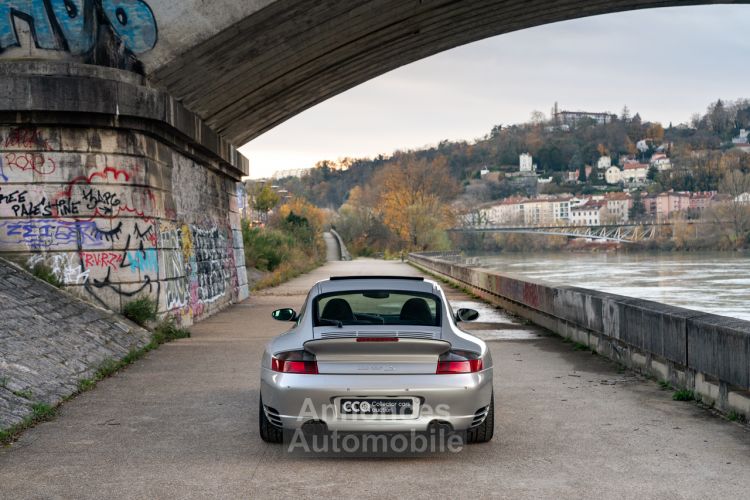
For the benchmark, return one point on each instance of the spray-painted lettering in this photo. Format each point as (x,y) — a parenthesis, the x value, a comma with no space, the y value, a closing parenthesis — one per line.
(72,25)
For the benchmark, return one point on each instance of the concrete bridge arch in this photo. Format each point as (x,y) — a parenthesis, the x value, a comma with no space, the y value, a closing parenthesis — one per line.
(119,120)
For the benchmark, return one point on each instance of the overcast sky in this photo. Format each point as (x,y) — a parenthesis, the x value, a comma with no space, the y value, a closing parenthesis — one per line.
(665,64)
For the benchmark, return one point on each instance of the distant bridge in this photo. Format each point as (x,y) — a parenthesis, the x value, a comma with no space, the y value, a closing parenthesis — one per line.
(620,233)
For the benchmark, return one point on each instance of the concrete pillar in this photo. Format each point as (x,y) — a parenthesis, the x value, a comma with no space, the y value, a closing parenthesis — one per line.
(118,189)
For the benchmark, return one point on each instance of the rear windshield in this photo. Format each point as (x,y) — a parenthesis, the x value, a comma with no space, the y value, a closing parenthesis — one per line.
(377,307)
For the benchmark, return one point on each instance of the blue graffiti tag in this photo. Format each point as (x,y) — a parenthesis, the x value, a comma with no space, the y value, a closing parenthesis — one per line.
(133,22)
(46,233)
(143,260)
(2,172)
(72,24)
(75,20)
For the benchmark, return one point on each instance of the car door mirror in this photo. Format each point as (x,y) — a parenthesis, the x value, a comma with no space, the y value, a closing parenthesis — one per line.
(466,315)
(285,314)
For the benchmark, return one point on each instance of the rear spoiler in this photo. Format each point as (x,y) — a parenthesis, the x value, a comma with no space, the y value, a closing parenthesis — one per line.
(341,278)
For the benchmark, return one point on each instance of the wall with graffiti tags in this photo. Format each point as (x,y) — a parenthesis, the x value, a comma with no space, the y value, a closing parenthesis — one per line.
(116,214)
(104,32)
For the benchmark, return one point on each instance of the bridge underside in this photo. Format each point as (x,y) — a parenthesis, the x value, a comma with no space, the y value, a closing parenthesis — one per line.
(293,54)
(624,233)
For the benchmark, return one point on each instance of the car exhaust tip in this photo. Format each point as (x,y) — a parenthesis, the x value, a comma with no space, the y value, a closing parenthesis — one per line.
(315,427)
(439,427)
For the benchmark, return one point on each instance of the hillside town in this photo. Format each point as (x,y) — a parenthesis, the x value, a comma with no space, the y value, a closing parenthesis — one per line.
(618,207)
(625,187)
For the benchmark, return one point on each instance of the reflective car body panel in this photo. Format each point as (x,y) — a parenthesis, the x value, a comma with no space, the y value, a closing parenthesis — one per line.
(377,365)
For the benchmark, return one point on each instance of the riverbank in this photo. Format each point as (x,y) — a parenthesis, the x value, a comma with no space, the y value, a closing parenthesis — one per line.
(705,356)
(712,282)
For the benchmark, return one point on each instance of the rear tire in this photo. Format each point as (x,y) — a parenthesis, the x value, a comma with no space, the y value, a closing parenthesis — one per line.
(483,432)
(268,432)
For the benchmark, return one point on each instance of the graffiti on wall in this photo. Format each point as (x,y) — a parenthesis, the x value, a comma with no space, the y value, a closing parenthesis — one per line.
(211,252)
(73,25)
(108,235)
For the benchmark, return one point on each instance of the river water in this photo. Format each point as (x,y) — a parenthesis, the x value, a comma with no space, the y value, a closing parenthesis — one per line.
(717,283)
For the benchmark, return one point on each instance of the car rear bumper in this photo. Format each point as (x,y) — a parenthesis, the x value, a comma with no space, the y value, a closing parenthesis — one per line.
(291,400)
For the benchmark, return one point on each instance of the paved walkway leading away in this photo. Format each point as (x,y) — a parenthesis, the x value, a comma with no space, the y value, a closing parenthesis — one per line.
(183,423)
(333,252)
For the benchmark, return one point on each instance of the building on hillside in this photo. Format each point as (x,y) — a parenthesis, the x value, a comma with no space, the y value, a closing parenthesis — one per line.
(484,171)
(293,172)
(546,210)
(613,175)
(649,206)
(618,207)
(604,163)
(572,177)
(744,199)
(561,210)
(745,148)
(669,204)
(538,212)
(526,163)
(661,162)
(701,201)
(742,138)
(571,118)
(635,173)
(509,212)
(589,214)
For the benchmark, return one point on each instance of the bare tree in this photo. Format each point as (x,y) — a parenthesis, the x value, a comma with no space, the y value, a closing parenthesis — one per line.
(734,213)
(537,117)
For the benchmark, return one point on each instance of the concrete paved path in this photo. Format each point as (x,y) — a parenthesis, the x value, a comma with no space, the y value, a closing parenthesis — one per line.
(182,424)
(333,252)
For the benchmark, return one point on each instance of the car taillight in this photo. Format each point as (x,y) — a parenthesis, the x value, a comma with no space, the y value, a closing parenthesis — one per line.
(295,362)
(459,362)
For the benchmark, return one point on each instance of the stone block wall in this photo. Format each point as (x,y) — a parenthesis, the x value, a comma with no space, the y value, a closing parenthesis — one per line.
(706,353)
(50,341)
(117,213)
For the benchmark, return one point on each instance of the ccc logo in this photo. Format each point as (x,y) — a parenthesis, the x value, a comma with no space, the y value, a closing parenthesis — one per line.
(356,406)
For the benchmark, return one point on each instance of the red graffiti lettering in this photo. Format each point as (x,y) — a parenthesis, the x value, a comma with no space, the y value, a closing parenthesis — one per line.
(101,259)
(30,161)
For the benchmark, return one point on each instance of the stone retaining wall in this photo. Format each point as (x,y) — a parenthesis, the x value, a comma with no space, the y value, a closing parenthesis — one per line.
(706,353)
(118,190)
(49,340)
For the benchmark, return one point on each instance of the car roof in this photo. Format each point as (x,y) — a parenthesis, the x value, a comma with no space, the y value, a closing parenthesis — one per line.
(404,283)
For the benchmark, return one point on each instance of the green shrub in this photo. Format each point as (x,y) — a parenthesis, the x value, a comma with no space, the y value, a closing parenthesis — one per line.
(265,249)
(140,310)
(167,331)
(284,253)
(44,273)
(683,395)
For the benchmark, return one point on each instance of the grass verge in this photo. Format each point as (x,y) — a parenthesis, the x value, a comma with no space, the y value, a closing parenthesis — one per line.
(141,310)
(40,412)
(683,395)
(165,331)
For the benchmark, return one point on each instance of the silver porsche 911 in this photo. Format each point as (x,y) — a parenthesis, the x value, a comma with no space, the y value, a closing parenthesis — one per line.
(376,354)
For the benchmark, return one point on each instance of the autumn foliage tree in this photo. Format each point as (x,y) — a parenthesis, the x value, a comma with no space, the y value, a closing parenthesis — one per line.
(406,206)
